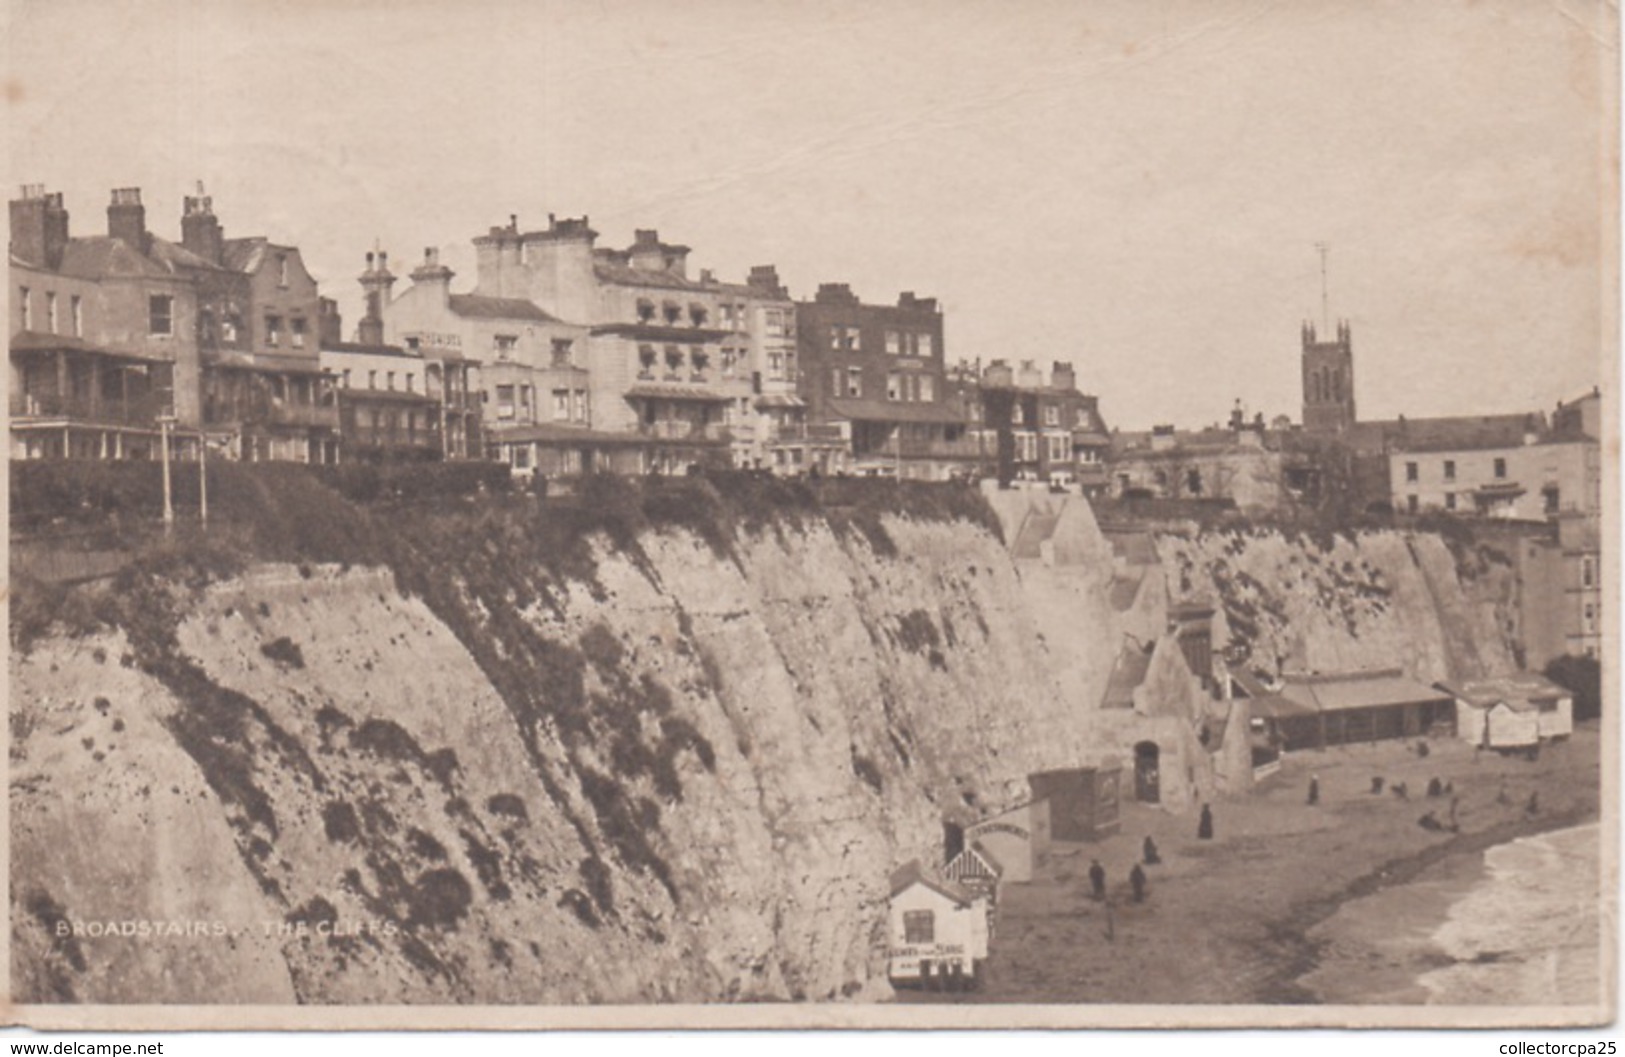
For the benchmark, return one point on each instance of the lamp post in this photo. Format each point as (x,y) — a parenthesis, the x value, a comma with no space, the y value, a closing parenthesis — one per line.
(203,477)
(165,423)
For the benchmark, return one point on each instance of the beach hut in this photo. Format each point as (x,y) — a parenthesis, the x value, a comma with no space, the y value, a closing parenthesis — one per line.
(1512,711)
(937,931)
(1083,801)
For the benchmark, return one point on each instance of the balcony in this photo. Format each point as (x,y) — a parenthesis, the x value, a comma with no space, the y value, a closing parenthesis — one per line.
(912,448)
(678,429)
(808,431)
(282,413)
(136,411)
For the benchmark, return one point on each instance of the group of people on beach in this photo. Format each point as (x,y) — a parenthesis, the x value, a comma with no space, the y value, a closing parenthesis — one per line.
(1150,856)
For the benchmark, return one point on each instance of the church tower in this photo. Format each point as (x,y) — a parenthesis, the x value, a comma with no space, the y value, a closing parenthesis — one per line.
(1328,381)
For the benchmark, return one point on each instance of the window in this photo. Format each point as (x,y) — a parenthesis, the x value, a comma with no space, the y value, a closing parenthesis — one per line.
(1589,618)
(296,330)
(161,315)
(697,313)
(1450,469)
(919,926)
(561,352)
(854,381)
(674,312)
(646,310)
(775,365)
(1588,572)
(521,457)
(1450,500)
(700,359)
(411,382)
(1016,414)
(346,380)
(372,379)
(524,397)
(674,359)
(925,345)
(1500,468)
(928,388)
(894,343)
(1057,448)
(646,360)
(1052,415)
(845,339)
(76,310)
(282,269)
(561,405)
(391,383)
(273,330)
(835,381)
(894,386)
(504,344)
(581,405)
(28,307)
(1411,503)
(504,401)
(1554,498)
(230,326)
(1411,471)
(775,323)
(50,312)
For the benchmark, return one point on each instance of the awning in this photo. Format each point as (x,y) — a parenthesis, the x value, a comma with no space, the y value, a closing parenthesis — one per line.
(775,400)
(34,341)
(1275,706)
(676,392)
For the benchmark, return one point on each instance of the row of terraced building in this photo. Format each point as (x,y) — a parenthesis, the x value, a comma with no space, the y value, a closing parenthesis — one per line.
(564,357)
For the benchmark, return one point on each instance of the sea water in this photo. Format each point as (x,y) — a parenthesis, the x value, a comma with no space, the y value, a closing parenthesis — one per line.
(1529,932)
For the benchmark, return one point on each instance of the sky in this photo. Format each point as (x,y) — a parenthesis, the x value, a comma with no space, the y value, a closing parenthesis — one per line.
(1135,187)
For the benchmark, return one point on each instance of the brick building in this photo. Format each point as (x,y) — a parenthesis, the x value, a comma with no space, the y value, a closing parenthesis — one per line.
(1030,427)
(877,372)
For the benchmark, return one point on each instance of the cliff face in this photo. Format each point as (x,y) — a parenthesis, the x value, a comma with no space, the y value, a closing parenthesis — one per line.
(1378,600)
(674,768)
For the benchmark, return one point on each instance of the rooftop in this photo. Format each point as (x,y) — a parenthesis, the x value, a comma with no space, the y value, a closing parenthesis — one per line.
(1522,689)
(479,306)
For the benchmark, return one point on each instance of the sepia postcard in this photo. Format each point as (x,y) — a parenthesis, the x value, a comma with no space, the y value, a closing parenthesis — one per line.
(1067,513)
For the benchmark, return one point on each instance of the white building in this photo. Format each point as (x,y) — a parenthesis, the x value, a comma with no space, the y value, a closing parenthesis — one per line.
(937,933)
(1516,711)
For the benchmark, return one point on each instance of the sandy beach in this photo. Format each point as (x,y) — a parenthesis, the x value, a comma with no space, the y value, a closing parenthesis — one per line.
(1339,902)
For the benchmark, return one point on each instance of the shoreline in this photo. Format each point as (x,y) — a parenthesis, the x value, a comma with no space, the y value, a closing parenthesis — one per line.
(1252,916)
(1434,879)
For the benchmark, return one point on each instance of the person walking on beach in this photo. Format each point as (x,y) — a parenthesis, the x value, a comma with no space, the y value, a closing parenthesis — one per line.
(1136,880)
(1314,789)
(1204,828)
(1097,879)
(1151,855)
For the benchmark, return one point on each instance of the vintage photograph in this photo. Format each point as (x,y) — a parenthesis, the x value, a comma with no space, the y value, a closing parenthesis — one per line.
(832,514)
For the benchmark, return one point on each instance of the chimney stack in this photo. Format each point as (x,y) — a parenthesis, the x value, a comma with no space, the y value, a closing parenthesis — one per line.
(127,218)
(200,230)
(39,227)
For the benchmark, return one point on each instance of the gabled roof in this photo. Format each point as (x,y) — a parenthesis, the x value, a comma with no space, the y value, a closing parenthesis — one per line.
(1128,673)
(174,256)
(912,873)
(479,306)
(1520,692)
(974,863)
(608,268)
(245,254)
(101,257)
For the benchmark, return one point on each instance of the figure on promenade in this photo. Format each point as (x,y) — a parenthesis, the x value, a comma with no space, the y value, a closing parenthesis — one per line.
(1204,828)
(1097,879)
(1151,856)
(1136,880)
(1314,789)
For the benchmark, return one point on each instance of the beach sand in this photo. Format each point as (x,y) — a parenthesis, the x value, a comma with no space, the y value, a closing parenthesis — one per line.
(1248,916)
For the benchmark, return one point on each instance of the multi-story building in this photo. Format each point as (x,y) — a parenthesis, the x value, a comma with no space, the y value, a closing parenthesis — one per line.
(878,372)
(261,387)
(104,335)
(770,430)
(1034,428)
(534,386)
(1538,476)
